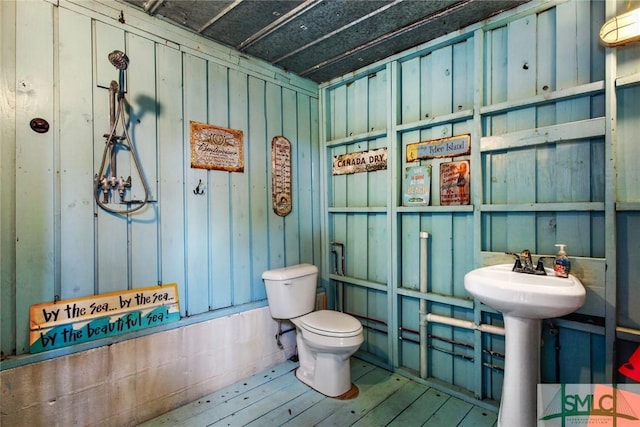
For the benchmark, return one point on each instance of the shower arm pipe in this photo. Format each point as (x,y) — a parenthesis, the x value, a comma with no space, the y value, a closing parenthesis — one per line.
(424,288)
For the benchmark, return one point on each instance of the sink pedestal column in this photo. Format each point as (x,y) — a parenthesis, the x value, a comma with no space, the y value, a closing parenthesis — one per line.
(518,406)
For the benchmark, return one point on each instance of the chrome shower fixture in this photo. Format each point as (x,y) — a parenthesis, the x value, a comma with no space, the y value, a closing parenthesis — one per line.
(120,60)
(107,179)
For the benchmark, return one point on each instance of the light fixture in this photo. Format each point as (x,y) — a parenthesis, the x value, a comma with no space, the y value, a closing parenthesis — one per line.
(621,29)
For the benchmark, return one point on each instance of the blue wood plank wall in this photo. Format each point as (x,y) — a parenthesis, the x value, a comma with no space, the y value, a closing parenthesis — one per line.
(215,246)
(530,88)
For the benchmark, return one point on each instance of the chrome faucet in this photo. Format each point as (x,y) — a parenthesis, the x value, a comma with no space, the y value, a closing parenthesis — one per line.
(524,263)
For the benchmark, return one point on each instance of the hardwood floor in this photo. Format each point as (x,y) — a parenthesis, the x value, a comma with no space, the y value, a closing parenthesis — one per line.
(276,398)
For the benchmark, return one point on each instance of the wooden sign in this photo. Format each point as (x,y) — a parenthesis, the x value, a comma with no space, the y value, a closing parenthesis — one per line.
(281,175)
(63,323)
(362,161)
(444,147)
(214,147)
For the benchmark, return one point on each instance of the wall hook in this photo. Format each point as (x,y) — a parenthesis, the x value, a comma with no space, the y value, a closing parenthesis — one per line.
(198,191)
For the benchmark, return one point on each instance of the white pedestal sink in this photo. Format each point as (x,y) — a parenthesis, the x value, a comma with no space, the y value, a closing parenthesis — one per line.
(524,300)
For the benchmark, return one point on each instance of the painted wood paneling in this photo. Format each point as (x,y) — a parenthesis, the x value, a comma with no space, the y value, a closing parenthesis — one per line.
(36,169)
(540,140)
(172,164)
(218,194)
(7,176)
(143,227)
(76,173)
(197,219)
(216,245)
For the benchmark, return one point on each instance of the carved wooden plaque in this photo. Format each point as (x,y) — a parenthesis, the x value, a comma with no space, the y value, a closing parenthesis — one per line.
(281,175)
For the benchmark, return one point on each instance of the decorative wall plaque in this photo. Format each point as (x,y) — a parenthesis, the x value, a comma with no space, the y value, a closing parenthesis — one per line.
(214,147)
(444,147)
(454,183)
(281,175)
(361,161)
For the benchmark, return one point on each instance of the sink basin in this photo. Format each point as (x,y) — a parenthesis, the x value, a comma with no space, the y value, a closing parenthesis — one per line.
(524,295)
(524,300)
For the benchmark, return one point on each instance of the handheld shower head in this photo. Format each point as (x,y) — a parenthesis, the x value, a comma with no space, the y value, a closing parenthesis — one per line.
(119,59)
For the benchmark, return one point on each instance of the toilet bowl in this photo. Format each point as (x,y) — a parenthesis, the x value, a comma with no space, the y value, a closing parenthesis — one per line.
(326,339)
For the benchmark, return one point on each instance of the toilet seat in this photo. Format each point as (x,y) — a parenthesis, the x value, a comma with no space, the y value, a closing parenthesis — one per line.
(331,324)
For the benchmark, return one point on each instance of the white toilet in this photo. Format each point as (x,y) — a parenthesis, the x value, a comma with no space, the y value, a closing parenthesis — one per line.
(326,339)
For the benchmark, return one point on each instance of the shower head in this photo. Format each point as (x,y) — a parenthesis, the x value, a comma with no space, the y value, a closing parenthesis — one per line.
(119,59)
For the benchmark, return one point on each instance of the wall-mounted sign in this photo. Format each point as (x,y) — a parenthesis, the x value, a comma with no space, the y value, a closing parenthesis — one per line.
(444,147)
(417,185)
(281,175)
(214,147)
(74,321)
(362,161)
(454,183)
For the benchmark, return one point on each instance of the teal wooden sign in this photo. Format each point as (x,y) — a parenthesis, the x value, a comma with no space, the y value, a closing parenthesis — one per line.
(75,321)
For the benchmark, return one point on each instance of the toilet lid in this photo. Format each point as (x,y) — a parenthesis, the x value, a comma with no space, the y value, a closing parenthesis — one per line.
(331,323)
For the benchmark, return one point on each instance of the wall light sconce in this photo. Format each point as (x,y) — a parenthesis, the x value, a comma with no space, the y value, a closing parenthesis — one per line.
(621,29)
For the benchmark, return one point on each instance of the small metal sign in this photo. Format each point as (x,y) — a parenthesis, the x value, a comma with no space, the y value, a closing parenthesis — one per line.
(281,175)
(214,147)
(444,147)
(362,161)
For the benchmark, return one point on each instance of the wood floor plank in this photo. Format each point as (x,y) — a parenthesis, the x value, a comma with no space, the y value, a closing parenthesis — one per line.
(369,398)
(289,410)
(323,409)
(479,417)
(179,415)
(450,414)
(275,397)
(239,402)
(421,409)
(255,411)
(386,411)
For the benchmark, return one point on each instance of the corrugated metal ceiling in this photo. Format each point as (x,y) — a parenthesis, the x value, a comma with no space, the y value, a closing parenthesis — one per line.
(323,39)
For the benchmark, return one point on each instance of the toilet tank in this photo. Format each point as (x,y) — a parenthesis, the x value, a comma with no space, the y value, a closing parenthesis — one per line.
(291,291)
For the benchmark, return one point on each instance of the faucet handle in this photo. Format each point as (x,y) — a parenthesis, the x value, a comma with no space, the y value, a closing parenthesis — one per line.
(517,266)
(540,266)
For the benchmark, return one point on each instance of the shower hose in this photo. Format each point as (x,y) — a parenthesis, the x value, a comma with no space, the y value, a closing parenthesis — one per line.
(109,151)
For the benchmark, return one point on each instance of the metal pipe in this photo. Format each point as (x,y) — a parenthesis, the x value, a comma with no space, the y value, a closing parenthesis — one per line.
(447,340)
(467,324)
(371,319)
(424,288)
(341,245)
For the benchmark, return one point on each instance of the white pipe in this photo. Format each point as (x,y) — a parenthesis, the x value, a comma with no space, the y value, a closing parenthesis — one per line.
(424,288)
(467,324)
